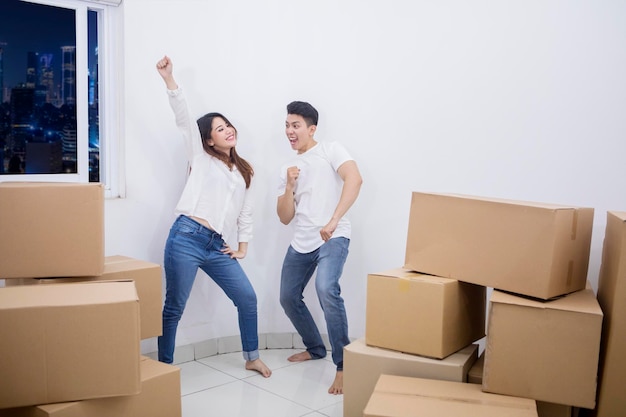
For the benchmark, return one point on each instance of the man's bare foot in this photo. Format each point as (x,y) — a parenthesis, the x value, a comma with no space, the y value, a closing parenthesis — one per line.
(300,357)
(337,387)
(259,366)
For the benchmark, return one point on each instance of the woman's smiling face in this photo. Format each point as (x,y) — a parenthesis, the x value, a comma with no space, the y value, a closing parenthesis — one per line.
(223,135)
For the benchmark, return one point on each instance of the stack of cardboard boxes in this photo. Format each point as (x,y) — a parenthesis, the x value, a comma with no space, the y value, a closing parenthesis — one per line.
(73,319)
(611,401)
(543,320)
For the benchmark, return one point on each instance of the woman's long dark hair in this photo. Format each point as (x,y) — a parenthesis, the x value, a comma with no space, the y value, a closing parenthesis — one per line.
(205,124)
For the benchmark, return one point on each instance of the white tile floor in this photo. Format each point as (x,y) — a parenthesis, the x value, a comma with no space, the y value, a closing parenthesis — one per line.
(220,386)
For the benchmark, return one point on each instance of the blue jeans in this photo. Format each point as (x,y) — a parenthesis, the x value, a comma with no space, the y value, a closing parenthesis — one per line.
(190,246)
(298,268)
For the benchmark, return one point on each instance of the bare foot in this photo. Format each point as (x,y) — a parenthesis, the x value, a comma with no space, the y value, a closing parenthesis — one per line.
(337,387)
(299,357)
(259,366)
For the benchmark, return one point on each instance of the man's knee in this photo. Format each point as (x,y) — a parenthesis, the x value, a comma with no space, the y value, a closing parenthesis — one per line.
(327,291)
(287,301)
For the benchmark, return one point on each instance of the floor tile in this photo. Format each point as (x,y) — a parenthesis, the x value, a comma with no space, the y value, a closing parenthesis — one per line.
(195,376)
(335,410)
(305,383)
(233,364)
(240,399)
(219,385)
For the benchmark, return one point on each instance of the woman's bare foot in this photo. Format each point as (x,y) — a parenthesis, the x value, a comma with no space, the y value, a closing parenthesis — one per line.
(337,387)
(300,357)
(259,366)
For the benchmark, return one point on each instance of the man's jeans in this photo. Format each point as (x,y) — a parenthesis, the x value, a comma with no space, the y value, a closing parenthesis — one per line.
(190,246)
(297,270)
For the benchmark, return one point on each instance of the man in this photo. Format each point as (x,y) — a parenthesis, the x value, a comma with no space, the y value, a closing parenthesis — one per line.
(317,189)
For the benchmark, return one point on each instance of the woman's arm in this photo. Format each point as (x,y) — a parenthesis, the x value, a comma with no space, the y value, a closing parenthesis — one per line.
(178,103)
(166,71)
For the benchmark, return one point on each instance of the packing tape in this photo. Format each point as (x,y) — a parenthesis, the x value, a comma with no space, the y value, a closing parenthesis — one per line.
(574,224)
(493,402)
(404,285)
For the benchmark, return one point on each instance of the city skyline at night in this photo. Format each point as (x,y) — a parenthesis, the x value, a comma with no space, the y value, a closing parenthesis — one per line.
(26,29)
(38,87)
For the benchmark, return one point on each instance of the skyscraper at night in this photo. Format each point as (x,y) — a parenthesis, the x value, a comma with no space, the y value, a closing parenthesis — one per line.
(46,77)
(2,95)
(32,69)
(68,75)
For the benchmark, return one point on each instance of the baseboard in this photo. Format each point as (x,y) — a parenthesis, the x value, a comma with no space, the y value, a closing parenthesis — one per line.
(230,344)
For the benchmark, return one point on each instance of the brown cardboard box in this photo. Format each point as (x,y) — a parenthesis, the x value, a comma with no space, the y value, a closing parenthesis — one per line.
(148,281)
(51,229)
(475,374)
(612,296)
(539,250)
(547,351)
(159,397)
(423,314)
(362,365)
(68,342)
(544,409)
(398,396)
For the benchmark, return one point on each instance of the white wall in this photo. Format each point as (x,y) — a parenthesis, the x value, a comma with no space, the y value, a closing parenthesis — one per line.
(517,99)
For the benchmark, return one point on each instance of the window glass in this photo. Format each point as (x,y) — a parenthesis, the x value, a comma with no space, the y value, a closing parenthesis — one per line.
(94,125)
(50,104)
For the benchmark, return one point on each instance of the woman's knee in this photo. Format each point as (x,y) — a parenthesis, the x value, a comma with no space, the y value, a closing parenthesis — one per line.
(173,311)
(246,298)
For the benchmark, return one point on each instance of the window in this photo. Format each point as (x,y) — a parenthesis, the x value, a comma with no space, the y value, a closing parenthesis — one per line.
(58,88)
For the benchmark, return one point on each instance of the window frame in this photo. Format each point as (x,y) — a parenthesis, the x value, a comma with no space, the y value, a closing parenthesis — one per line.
(110,54)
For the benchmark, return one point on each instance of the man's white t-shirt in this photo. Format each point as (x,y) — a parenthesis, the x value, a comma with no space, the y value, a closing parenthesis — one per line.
(317,193)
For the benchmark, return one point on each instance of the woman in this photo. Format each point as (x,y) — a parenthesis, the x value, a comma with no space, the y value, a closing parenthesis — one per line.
(214,202)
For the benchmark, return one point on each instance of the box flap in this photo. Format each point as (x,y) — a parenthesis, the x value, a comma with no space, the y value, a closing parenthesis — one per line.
(407,274)
(549,206)
(51,295)
(456,359)
(583,301)
(619,214)
(446,395)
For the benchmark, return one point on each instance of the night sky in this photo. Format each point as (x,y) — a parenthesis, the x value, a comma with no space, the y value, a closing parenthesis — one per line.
(27,27)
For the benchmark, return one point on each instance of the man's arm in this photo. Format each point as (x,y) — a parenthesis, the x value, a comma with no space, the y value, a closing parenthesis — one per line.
(286,206)
(349,173)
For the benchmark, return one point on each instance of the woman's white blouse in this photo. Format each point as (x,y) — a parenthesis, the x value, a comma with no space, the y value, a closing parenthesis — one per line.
(213,192)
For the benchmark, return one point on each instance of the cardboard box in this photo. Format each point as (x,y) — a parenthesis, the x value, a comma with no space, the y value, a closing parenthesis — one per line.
(423,314)
(398,396)
(539,250)
(51,229)
(547,351)
(68,342)
(362,365)
(160,397)
(475,374)
(544,409)
(612,296)
(148,281)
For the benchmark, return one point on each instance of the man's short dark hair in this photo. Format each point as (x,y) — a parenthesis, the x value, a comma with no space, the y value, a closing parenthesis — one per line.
(304,109)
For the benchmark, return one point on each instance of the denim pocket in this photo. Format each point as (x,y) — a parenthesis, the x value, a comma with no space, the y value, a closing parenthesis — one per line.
(185,226)
(186,229)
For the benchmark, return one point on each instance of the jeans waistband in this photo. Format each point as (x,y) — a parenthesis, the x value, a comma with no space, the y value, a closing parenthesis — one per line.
(200,228)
